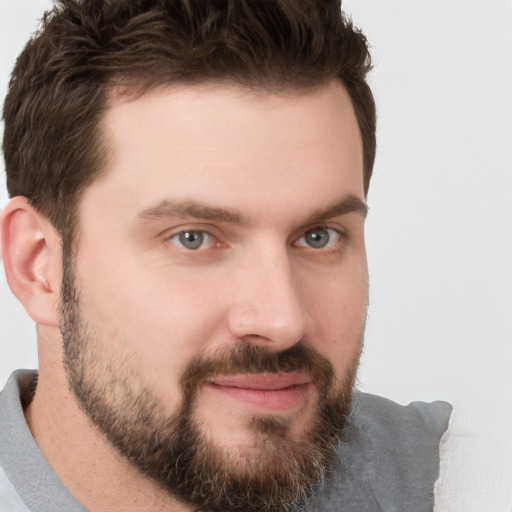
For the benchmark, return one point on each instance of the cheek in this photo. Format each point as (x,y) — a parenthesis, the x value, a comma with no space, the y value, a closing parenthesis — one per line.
(155,317)
(338,306)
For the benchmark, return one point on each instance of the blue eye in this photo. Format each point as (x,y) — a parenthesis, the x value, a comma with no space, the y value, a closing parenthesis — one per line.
(319,238)
(192,240)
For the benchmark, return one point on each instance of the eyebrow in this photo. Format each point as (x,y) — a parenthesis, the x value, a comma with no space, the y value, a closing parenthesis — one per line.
(184,209)
(349,204)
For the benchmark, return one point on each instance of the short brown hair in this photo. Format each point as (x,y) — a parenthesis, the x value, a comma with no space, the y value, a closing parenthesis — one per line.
(60,85)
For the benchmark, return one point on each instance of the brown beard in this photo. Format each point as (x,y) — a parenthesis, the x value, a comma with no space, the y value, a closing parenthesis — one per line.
(276,474)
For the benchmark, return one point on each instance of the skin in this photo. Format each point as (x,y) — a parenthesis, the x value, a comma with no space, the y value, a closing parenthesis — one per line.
(274,162)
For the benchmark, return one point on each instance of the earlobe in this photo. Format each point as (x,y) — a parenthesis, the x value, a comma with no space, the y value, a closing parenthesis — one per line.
(31,257)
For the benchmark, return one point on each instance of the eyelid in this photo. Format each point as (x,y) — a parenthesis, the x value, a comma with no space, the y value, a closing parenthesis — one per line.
(201,227)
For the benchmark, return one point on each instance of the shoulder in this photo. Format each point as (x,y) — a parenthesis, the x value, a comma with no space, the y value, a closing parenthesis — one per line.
(10,500)
(418,421)
(11,422)
(388,458)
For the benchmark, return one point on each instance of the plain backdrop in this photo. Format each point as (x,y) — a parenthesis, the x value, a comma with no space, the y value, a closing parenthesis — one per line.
(440,225)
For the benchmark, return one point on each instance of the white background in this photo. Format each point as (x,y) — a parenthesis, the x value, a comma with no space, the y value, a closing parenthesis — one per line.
(440,224)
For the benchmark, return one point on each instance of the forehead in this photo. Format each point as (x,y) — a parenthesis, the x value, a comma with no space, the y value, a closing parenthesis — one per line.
(219,141)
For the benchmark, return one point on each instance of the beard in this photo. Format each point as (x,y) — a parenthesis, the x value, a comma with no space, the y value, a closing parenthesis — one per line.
(274,473)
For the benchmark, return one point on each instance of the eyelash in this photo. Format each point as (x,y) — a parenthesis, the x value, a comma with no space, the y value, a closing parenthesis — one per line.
(331,231)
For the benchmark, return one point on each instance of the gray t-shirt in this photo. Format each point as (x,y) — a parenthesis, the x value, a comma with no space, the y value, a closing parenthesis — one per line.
(388,461)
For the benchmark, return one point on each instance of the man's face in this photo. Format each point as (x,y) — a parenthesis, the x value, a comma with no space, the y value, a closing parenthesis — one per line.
(214,309)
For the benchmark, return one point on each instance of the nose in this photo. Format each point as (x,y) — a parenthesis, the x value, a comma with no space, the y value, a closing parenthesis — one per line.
(267,307)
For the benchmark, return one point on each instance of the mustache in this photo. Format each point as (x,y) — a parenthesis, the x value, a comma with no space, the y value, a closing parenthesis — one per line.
(246,358)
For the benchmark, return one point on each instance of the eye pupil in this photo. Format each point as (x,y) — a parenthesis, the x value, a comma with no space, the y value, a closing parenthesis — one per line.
(191,239)
(317,238)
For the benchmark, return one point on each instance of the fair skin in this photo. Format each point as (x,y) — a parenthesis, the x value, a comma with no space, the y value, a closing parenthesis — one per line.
(255,174)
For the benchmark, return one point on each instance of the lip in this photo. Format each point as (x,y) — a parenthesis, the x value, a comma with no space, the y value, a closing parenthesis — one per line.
(264,393)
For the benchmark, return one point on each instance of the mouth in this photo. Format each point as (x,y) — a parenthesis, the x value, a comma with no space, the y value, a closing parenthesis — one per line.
(264,393)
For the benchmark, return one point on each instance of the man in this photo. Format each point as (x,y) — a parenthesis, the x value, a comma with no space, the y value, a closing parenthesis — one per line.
(186,228)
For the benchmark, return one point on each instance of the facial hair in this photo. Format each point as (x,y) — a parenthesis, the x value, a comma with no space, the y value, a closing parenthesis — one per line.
(276,474)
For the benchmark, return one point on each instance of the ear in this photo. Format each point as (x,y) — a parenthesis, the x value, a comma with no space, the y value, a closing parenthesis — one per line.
(31,253)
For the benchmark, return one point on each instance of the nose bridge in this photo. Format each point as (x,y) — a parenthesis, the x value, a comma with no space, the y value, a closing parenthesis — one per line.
(268,306)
